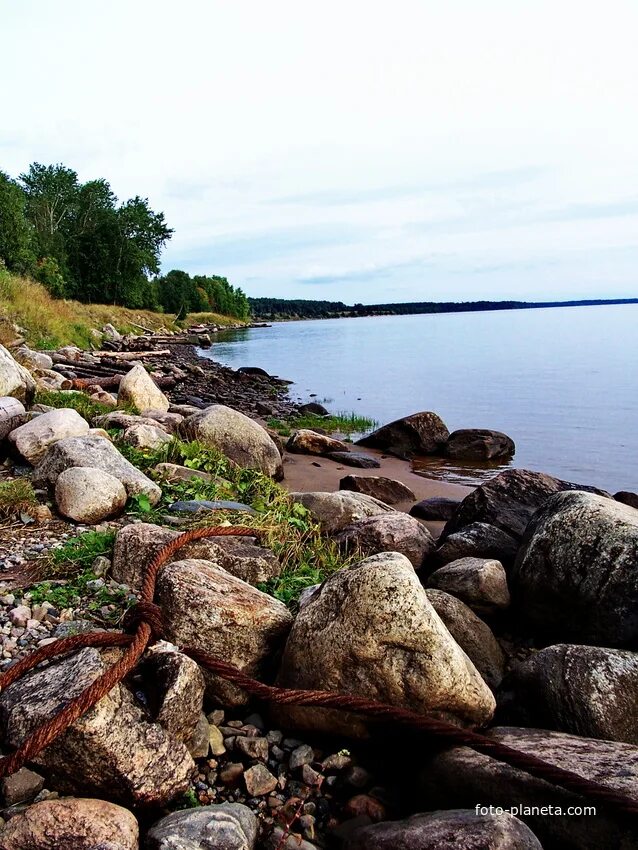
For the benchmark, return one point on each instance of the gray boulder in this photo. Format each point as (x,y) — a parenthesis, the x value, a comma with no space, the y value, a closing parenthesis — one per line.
(387,490)
(305,441)
(12,415)
(473,635)
(112,748)
(86,494)
(71,824)
(461,777)
(225,826)
(479,444)
(575,576)
(371,631)
(15,380)
(627,498)
(139,389)
(419,434)
(146,436)
(479,582)
(458,829)
(356,459)
(334,511)
(33,439)
(241,439)
(509,500)
(390,532)
(478,540)
(584,690)
(97,452)
(207,608)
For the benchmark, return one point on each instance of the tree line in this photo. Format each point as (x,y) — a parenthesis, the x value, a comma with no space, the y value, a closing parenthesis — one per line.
(82,243)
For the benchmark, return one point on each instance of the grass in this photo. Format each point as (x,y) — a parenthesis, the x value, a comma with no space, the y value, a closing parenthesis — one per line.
(341,423)
(75,399)
(286,527)
(51,322)
(16,497)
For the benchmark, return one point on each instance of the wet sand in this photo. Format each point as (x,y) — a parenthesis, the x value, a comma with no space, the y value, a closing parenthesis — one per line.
(301,475)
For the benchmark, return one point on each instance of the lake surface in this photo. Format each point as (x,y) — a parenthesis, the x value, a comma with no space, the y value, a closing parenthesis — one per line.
(562,382)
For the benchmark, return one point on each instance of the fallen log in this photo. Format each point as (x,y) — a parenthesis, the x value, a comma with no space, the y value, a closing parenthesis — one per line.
(132,355)
(108,382)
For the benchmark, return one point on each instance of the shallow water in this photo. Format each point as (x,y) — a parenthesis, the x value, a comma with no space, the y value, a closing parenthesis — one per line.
(562,382)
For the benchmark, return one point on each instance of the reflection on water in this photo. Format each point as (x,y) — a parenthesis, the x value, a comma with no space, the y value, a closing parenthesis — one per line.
(444,469)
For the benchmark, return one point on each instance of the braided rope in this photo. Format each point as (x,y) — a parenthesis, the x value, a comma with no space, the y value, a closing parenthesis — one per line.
(147,621)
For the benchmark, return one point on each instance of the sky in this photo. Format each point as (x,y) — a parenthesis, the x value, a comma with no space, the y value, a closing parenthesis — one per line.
(355,151)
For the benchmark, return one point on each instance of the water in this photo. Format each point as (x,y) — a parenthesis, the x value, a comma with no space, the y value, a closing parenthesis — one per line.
(562,382)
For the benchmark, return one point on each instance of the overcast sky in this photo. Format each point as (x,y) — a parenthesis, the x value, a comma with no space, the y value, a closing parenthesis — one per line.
(356,151)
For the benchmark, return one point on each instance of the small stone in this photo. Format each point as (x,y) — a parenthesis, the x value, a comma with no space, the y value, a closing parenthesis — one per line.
(364,805)
(259,781)
(311,776)
(20,615)
(300,756)
(21,786)
(254,748)
(231,773)
(336,763)
(216,718)
(216,740)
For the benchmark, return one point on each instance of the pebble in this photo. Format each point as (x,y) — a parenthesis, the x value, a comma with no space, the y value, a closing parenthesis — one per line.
(259,781)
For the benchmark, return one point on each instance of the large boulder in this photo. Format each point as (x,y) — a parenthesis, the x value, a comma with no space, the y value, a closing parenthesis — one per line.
(113,749)
(585,690)
(459,829)
(508,500)
(15,380)
(241,439)
(207,608)
(225,826)
(334,511)
(478,540)
(305,441)
(576,576)
(475,637)
(71,824)
(139,389)
(33,439)
(97,452)
(422,433)
(86,494)
(33,360)
(479,444)
(436,508)
(390,532)
(479,582)
(371,631)
(461,777)
(385,489)
(146,436)
(627,498)
(12,415)
(137,544)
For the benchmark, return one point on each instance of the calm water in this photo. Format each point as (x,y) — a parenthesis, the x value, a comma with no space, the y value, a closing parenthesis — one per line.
(562,382)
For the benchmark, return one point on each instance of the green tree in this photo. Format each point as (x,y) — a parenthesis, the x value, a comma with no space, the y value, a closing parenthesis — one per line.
(16,234)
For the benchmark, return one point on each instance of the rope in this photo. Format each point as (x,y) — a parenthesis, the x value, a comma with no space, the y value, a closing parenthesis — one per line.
(145,619)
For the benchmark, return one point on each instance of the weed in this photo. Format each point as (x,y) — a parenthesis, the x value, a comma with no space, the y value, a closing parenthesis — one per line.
(78,553)
(341,423)
(16,496)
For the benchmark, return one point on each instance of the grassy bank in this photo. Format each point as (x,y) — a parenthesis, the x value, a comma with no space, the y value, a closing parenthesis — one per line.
(50,322)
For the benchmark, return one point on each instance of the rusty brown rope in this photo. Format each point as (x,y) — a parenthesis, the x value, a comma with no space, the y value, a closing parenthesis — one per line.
(148,622)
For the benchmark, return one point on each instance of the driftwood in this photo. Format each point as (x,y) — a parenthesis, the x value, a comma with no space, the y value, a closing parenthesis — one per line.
(132,355)
(109,382)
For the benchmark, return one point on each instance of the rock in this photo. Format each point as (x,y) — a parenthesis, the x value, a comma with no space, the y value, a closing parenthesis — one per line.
(305,441)
(255,371)
(463,777)
(371,631)
(314,409)
(419,434)
(509,500)
(51,380)
(354,459)
(113,750)
(479,582)
(179,686)
(334,511)
(584,690)
(111,333)
(71,824)
(235,435)
(575,576)
(387,490)
(33,360)
(119,419)
(436,508)
(139,389)
(627,498)
(146,437)
(473,635)
(207,608)
(102,397)
(172,472)
(12,415)
(21,786)
(478,540)
(459,829)
(225,826)
(391,532)
(168,421)
(259,781)
(286,839)
(89,495)
(15,380)
(33,439)
(137,544)
(479,444)
(99,453)
(198,506)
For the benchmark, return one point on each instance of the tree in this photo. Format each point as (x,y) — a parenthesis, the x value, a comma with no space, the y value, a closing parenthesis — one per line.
(16,234)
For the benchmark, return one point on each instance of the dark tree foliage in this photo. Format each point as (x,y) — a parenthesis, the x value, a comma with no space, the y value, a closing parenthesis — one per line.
(178,292)
(16,232)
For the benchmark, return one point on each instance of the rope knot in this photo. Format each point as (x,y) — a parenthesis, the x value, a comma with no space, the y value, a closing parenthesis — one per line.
(145,612)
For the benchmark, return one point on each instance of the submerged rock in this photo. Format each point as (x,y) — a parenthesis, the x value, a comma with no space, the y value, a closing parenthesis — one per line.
(479,444)
(419,434)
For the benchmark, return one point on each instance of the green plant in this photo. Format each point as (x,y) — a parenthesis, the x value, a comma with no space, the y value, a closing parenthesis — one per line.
(341,423)
(78,553)
(77,400)
(16,497)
